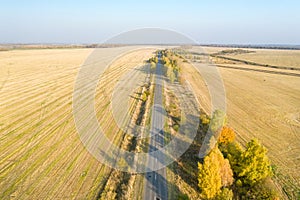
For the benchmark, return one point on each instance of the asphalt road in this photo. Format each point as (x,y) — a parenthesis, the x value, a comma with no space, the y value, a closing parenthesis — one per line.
(155,187)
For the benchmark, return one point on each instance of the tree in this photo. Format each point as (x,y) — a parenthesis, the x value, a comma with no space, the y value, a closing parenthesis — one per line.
(209,179)
(153,60)
(216,124)
(233,152)
(254,163)
(227,135)
(225,169)
(218,120)
(214,173)
(166,60)
(226,173)
(183,197)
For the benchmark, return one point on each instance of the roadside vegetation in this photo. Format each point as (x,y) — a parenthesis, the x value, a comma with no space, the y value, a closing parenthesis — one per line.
(153,60)
(229,171)
(172,63)
(123,185)
(232,172)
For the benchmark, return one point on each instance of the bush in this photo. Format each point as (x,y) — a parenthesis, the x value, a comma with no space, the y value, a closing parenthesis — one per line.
(260,190)
(183,197)
(176,127)
(204,119)
(226,194)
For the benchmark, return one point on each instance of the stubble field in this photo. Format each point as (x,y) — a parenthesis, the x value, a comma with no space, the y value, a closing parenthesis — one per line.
(41,153)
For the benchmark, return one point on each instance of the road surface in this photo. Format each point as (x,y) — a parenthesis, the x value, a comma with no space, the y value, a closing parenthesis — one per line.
(156,182)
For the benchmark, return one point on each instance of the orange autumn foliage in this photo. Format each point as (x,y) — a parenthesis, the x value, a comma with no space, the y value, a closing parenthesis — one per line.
(227,135)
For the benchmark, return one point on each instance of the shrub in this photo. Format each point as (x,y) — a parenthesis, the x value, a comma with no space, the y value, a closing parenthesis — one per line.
(259,191)
(183,197)
(226,194)
(176,127)
(204,119)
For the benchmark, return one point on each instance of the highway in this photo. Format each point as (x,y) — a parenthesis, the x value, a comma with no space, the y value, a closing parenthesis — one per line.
(155,187)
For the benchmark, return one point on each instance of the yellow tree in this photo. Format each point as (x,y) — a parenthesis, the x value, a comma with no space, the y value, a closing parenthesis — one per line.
(214,173)
(209,179)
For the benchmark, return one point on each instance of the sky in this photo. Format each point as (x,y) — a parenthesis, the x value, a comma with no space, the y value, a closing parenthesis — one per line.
(206,21)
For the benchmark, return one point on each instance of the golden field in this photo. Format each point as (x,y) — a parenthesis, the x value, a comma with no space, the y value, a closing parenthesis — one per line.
(287,58)
(41,153)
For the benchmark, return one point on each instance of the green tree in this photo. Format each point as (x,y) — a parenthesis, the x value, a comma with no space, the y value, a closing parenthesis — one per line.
(232,151)
(216,124)
(254,164)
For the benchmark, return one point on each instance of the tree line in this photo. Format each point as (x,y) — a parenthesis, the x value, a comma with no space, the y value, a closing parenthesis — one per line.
(232,172)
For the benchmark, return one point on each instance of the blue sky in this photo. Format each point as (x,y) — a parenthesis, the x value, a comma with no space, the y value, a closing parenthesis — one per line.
(209,21)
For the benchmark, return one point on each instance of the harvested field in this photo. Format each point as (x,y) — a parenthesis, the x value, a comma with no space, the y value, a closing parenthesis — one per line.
(41,154)
(286,58)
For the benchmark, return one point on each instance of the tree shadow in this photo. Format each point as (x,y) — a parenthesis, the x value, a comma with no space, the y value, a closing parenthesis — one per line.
(187,165)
